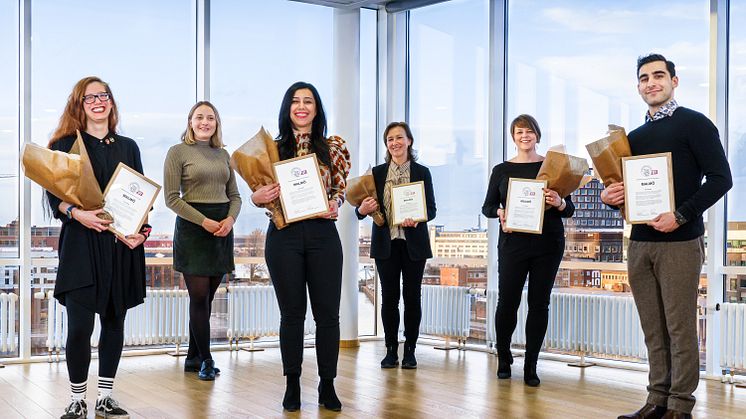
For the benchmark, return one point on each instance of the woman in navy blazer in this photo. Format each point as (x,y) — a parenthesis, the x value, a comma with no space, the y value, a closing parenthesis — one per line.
(402,250)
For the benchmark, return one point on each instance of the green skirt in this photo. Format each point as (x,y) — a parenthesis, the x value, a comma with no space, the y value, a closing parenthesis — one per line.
(197,251)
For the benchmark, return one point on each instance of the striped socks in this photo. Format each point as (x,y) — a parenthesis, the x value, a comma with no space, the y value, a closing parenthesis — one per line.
(105,387)
(78,390)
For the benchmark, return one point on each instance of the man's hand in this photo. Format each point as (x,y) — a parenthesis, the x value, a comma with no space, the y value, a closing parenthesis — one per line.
(665,223)
(613,194)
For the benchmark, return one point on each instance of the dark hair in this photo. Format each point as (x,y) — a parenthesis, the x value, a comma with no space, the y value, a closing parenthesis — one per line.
(286,143)
(650,58)
(526,121)
(411,154)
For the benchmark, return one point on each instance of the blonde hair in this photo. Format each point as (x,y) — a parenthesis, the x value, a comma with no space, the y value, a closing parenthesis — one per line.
(216,141)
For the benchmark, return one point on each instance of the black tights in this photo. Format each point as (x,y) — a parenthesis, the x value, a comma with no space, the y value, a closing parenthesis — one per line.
(201,293)
(538,259)
(80,322)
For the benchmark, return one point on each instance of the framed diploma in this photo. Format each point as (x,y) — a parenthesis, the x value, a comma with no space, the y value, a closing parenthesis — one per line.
(524,207)
(408,201)
(128,198)
(648,187)
(302,192)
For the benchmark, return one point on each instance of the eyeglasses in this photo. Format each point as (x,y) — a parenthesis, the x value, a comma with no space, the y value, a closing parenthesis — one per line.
(103,97)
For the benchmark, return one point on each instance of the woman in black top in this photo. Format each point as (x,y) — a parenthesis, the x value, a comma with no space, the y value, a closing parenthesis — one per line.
(98,272)
(521,254)
(399,251)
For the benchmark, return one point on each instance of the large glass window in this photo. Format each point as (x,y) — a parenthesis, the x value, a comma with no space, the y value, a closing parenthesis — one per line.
(257,50)
(367,158)
(9,180)
(154,86)
(736,236)
(448,99)
(9,168)
(573,68)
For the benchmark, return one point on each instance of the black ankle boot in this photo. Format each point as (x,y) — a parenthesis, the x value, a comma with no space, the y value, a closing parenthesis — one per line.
(408,361)
(504,361)
(207,370)
(291,401)
(392,357)
(327,396)
(529,371)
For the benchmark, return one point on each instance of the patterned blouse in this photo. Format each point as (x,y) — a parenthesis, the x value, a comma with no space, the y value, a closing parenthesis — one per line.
(396,175)
(335,178)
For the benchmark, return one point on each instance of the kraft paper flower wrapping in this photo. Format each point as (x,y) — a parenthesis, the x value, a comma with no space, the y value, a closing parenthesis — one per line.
(363,187)
(68,176)
(563,172)
(607,154)
(253,162)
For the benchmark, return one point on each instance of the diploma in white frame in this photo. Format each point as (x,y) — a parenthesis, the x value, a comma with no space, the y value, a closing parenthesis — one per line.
(302,192)
(524,206)
(648,187)
(408,201)
(128,197)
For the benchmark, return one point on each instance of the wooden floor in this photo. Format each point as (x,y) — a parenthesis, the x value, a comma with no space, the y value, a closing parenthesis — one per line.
(454,384)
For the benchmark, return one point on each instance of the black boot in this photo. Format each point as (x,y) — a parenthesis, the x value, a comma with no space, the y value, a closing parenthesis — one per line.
(207,371)
(327,396)
(529,370)
(504,361)
(408,361)
(291,401)
(392,357)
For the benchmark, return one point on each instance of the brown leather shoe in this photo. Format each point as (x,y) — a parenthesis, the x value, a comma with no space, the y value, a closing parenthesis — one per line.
(649,411)
(675,414)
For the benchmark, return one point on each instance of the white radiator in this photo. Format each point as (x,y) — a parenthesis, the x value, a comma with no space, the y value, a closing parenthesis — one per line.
(733,336)
(446,311)
(607,325)
(253,313)
(162,319)
(8,308)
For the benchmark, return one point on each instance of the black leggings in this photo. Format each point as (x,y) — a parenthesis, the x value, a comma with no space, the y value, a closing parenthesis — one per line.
(538,258)
(201,293)
(391,269)
(307,254)
(80,322)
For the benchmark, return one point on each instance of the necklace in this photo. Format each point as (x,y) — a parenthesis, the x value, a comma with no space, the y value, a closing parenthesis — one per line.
(106,141)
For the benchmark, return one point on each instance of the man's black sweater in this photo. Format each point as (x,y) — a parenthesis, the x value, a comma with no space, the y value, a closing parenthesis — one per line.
(696,153)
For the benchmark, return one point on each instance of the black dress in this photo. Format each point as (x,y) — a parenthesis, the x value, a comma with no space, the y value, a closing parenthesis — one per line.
(95,269)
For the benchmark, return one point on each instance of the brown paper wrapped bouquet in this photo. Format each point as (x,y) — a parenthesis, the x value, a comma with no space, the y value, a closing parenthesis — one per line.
(363,187)
(563,172)
(68,176)
(607,154)
(253,162)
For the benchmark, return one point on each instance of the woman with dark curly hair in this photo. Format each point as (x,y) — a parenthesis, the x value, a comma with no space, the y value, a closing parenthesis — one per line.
(307,255)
